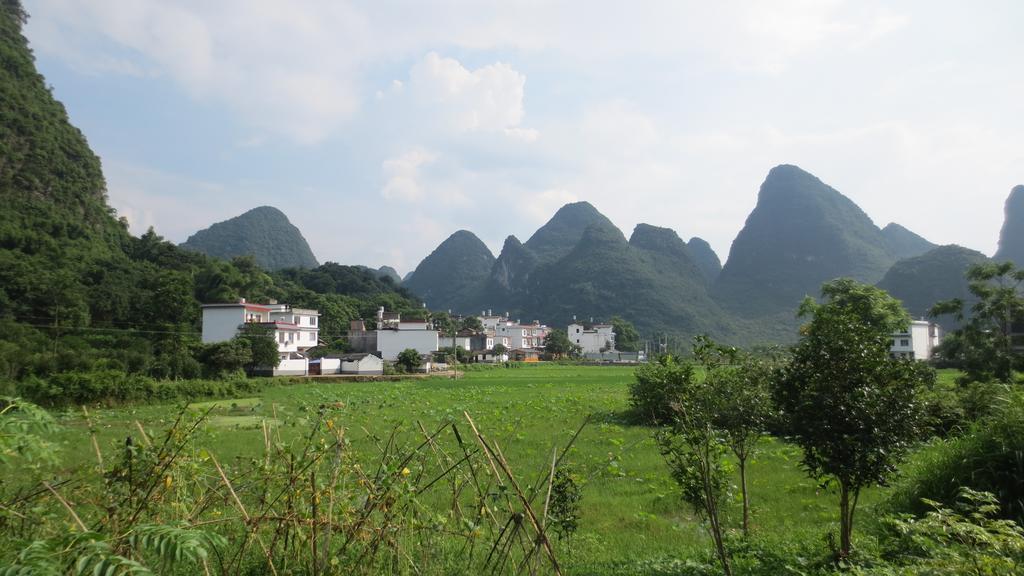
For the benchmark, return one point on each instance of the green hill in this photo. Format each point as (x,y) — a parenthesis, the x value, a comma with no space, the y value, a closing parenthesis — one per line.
(563,232)
(801,233)
(705,258)
(451,276)
(509,275)
(263,233)
(1011,237)
(937,275)
(903,243)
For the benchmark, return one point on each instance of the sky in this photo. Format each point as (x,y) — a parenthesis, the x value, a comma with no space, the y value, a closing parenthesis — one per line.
(381,127)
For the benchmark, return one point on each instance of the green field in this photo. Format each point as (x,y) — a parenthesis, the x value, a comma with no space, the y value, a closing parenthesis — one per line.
(631,511)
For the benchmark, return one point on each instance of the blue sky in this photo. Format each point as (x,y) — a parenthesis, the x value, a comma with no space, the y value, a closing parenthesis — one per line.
(382,127)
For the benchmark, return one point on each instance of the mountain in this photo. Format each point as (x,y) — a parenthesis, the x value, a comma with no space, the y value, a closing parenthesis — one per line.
(563,232)
(800,234)
(384,272)
(263,233)
(903,243)
(937,275)
(706,259)
(1011,237)
(649,280)
(509,274)
(451,276)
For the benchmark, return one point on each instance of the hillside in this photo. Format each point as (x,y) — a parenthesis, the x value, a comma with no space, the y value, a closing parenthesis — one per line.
(903,243)
(264,233)
(563,232)
(1011,237)
(77,292)
(937,275)
(705,258)
(800,234)
(451,276)
(509,275)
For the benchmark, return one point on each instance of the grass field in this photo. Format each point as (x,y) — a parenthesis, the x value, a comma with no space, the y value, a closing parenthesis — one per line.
(631,510)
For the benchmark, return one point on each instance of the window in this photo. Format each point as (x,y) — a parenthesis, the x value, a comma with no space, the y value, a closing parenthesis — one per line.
(905,342)
(312,321)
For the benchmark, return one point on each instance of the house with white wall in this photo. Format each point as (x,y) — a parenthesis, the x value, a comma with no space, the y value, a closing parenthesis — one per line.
(295,330)
(917,342)
(595,338)
(393,335)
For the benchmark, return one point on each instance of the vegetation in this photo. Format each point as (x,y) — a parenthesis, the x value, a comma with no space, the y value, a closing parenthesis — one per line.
(850,407)
(627,339)
(263,233)
(903,243)
(705,259)
(984,347)
(451,276)
(408,360)
(557,343)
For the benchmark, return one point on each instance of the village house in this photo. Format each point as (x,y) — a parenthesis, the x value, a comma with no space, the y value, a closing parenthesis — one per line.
(917,342)
(592,338)
(393,335)
(295,330)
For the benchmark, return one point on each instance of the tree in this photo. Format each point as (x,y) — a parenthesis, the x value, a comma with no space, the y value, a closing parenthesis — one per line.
(849,405)
(262,347)
(221,358)
(692,446)
(408,360)
(499,349)
(470,323)
(557,344)
(743,412)
(444,323)
(627,339)
(984,346)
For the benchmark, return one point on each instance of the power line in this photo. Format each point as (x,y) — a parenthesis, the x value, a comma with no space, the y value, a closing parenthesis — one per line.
(129,330)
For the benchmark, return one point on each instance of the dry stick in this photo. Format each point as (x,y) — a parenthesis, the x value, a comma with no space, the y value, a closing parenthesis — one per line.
(313,531)
(81,526)
(565,451)
(245,514)
(145,437)
(522,497)
(339,435)
(92,435)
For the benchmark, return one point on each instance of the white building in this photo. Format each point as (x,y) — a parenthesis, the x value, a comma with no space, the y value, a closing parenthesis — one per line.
(598,338)
(393,335)
(295,330)
(917,342)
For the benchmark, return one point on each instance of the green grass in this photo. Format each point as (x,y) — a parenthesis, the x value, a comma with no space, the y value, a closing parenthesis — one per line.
(631,509)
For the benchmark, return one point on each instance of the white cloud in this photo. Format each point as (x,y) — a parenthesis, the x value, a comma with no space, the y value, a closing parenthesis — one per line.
(403,175)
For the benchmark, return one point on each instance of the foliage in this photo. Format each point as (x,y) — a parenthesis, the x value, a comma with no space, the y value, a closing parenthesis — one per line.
(262,347)
(851,408)
(451,275)
(964,538)
(408,360)
(557,343)
(263,233)
(499,349)
(984,345)
(24,432)
(564,510)
(627,339)
(939,274)
(657,385)
(988,457)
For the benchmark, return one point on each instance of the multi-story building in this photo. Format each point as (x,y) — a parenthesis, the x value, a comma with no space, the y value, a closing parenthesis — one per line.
(393,335)
(295,330)
(917,342)
(592,338)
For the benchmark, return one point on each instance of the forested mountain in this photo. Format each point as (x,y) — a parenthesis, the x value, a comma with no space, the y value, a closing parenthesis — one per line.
(903,243)
(264,233)
(706,259)
(509,274)
(1011,237)
(937,275)
(452,274)
(801,233)
(563,232)
(77,291)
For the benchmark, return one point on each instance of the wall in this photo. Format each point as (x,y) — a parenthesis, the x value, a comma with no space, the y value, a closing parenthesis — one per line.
(292,368)
(391,342)
(221,324)
(368,365)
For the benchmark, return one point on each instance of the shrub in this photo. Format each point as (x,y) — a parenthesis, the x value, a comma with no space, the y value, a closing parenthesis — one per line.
(989,457)
(657,385)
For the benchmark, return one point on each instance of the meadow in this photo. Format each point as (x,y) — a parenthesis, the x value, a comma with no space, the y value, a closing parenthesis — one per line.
(631,515)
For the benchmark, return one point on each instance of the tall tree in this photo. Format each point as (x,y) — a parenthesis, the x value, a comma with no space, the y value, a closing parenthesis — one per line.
(627,339)
(849,405)
(984,345)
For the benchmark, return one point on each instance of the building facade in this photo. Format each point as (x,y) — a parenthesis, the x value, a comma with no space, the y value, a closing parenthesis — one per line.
(596,338)
(917,342)
(294,330)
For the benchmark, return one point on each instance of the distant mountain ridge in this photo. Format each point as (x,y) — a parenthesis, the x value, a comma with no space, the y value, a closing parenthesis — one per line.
(452,274)
(1011,236)
(921,281)
(264,233)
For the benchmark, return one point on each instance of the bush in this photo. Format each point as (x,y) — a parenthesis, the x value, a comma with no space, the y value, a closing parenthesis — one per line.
(657,385)
(989,458)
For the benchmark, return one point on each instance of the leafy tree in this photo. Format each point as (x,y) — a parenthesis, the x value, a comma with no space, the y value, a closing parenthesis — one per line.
(657,386)
(408,360)
(262,347)
(499,349)
(471,323)
(557,343)
(444,323)
(693,446)
(744,411)
(627,339)
(222,358)
(984,345)
(849,405)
